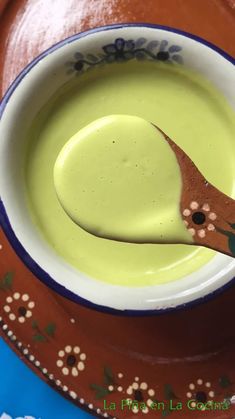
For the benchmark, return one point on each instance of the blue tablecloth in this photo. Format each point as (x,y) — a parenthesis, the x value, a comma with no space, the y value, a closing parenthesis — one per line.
(25,396)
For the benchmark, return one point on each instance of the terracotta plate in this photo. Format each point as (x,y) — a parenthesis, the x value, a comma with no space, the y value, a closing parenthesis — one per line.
(91,357)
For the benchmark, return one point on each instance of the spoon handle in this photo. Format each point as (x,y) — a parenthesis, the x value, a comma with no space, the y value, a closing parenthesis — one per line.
(208,213)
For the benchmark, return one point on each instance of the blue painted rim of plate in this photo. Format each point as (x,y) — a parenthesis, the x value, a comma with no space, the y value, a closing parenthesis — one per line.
(5,223)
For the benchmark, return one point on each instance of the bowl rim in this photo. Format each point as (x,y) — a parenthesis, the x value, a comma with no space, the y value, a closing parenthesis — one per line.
(5,224)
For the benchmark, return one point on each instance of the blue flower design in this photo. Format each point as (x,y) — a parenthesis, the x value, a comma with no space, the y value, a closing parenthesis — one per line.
(121,50)
(166,53)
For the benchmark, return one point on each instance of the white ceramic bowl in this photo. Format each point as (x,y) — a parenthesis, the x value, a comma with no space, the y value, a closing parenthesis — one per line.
(29,92)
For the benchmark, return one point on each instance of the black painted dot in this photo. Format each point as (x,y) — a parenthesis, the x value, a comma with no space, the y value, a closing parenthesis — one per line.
(138,395)
(201,396)
(78,66)
(198,217)
(71,360)
(22,311)
(163,55)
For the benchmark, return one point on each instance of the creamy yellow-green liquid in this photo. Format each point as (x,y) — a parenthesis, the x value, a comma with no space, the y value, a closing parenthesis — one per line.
(119,178)
(184,105)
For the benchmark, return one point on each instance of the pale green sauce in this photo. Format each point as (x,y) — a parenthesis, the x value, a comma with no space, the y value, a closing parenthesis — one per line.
(118,178)
(185,106)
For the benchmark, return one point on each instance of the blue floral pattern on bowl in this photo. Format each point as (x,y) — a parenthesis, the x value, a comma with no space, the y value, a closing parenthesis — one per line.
(123,50)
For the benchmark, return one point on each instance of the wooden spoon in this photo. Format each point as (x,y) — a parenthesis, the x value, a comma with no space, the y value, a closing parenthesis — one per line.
(208,213)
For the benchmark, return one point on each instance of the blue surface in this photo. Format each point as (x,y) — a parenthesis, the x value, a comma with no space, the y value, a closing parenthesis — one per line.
(22,393)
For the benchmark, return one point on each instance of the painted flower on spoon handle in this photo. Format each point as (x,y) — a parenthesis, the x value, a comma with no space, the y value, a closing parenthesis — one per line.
(208,213)
(201,220)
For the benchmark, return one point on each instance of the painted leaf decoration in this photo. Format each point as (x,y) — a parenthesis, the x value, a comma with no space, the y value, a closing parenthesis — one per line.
(39,338)
(109,48)
(140,42)
(7,279)
(175,48)
(163,45)
(231,243)
(151,45)
(224,381)
(34,324)
(169,393)
(108,376)
(100,392)
(50,329)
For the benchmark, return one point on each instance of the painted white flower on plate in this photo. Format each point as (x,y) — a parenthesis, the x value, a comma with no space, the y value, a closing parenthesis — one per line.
(19,307)
(71,360)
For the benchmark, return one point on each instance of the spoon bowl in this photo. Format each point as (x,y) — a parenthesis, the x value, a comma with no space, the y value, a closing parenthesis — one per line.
(140,188)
